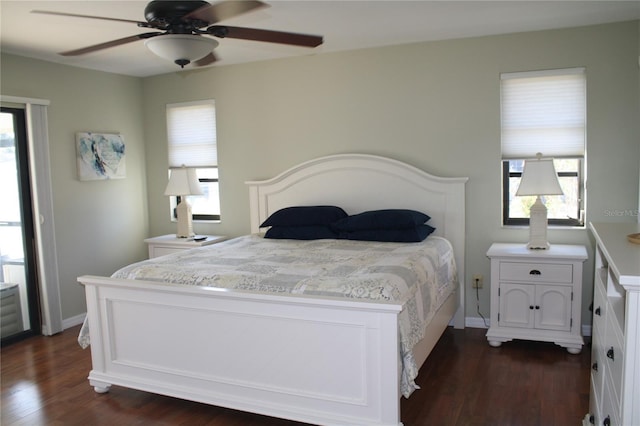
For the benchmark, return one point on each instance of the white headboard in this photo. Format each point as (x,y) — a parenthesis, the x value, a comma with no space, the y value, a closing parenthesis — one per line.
(361,182)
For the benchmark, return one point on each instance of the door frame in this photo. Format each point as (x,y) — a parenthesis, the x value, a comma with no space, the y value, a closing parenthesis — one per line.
(21,143)
(42,202)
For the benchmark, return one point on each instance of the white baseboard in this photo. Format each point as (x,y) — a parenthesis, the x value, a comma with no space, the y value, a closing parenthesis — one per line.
(477,322)
(73,321)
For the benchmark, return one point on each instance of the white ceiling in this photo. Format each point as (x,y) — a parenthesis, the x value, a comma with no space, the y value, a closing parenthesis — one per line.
(345,25)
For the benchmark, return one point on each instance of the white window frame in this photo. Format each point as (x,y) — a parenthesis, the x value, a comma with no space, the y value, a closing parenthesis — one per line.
(542,113)
(192,142)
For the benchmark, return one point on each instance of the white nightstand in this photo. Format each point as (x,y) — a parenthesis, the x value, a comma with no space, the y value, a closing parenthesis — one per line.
(536,294)
(165,244)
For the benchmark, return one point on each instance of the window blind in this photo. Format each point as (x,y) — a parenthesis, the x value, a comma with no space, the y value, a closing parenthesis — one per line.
(543,111)
(191,130)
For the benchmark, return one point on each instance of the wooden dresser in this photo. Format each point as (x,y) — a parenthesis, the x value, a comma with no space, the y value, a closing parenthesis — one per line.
(615,355)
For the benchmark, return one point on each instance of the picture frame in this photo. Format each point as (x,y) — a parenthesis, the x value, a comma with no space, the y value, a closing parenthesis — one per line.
(100,156)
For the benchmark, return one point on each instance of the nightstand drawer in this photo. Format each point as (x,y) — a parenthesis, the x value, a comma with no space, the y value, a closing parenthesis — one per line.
(167,244)
(536,272)
(158,251)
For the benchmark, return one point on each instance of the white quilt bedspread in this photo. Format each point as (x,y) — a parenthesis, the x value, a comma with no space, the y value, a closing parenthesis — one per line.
(420,276)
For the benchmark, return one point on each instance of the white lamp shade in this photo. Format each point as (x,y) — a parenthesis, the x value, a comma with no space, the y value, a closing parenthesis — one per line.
(180,47)
(183,181)
(539,177)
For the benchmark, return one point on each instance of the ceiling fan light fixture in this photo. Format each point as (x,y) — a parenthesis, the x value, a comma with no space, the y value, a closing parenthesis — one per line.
(181,48)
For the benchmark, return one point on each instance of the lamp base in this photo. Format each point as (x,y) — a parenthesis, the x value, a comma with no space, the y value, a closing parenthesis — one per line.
(538,227)
(185,223)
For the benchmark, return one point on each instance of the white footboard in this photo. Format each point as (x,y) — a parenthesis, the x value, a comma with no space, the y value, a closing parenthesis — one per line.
(312,360)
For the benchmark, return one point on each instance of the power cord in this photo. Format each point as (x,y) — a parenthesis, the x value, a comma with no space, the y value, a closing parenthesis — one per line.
(478,303)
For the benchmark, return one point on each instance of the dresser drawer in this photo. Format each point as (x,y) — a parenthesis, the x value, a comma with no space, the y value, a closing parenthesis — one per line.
(613,355)
(536,272)
(595,406)
(610,406)
(599,308)
(598,367)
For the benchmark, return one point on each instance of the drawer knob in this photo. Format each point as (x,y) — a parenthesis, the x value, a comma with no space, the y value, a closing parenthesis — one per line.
(534,272)
(597,311)
(610,353)
(594,366)
(606,421)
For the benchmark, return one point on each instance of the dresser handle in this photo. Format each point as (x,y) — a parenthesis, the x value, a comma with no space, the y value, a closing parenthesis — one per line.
(597,312)
(534,272)
(594,366)
(606,421)
(610,353)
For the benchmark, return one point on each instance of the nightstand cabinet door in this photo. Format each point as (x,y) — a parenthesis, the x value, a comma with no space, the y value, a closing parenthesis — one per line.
(540,306)
(553,307)
(516,305)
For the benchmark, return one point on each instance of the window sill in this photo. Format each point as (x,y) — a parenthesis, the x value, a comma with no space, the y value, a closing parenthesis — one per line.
(200,221)
(208,221)
(550,227)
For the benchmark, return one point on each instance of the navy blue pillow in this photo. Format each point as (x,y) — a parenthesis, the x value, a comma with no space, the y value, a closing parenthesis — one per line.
(381,219)
(406,235)
(305,216)
(311,232)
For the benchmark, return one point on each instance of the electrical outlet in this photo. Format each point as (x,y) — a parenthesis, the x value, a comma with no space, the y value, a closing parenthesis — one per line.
(477,281)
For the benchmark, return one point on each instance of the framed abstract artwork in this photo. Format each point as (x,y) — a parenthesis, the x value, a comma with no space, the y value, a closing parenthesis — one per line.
(100,156)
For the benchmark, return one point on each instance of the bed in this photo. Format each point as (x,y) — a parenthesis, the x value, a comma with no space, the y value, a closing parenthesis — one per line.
(304,356)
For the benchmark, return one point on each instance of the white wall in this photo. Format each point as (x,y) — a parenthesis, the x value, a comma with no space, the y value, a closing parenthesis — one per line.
(434,105)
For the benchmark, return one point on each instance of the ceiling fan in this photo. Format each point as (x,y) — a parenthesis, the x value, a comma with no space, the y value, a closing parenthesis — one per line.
(183,27)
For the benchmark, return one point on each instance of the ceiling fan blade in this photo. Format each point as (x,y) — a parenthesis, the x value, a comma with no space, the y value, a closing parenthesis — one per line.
(207,60)
(223,10)
(73,15)
(108,44)
(296,39)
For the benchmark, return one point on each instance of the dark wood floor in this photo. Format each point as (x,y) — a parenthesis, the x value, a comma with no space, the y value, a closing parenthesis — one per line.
(464,382)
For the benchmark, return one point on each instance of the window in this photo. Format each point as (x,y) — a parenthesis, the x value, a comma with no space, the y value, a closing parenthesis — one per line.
(544,111)
(191,131)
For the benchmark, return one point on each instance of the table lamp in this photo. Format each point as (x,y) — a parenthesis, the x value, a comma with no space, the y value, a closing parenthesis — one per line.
(539,177)
(183,181)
